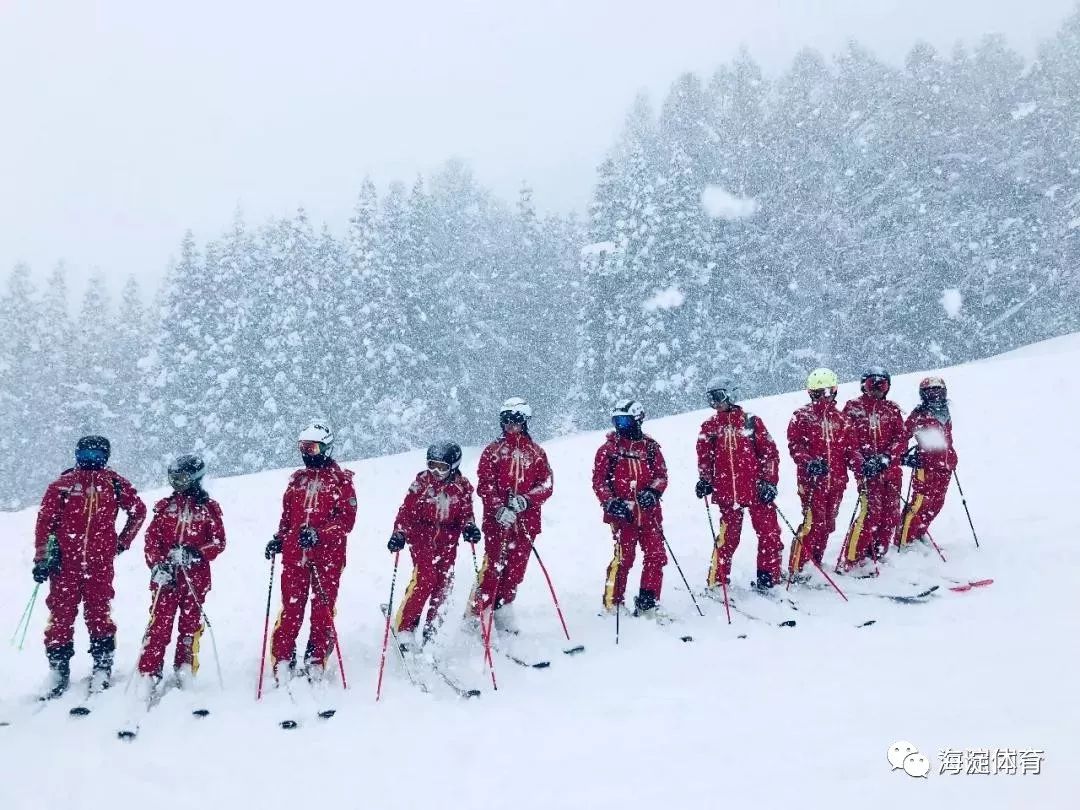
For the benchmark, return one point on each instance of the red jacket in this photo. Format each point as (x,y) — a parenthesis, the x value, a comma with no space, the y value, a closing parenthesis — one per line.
(819,430)
(734,452)
(933,434)
(324,499)
(514,464)
(435,509)
(623,467)
(80,508)
(877,426)
(186,520)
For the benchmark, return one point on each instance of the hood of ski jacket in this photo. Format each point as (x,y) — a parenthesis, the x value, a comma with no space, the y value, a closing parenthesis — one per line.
(734,452)
(514,464)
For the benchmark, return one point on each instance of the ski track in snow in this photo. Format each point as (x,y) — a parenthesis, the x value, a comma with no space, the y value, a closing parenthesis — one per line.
(786,717)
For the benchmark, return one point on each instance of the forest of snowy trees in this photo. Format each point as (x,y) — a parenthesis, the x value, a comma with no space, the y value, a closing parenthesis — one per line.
(912,215)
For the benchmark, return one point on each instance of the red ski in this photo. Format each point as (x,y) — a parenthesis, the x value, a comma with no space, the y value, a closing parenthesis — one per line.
(967,586)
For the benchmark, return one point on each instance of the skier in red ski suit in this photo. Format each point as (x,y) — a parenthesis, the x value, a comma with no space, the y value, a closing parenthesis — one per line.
(436,513)
(318,511)
(184,536)
(629,478)
(75,542)
(819,441)
(878,433)
(932,460)
(739,466)
(513,481)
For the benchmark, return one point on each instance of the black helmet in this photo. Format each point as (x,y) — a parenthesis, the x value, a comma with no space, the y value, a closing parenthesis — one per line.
(92,452)
(186,473)
(443,457)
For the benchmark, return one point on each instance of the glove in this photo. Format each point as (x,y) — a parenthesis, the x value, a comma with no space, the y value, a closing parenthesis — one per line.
(184,556)
(273,547)
(397,542)
(308,537)
(518,503)
(470,533)
(648,498)
(766,491)
(42,569)
(162,574)
(618,509)
(817,467)
(505,516)
(875,465)
(911,459)
(703,488)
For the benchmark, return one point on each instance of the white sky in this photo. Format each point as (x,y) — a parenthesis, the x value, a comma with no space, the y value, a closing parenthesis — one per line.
(124,122)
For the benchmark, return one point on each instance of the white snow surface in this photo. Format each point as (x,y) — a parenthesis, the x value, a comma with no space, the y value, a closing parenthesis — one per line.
(719,203)
(784,718)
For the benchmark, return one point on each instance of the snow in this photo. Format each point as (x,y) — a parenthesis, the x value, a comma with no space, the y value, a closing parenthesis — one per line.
(1024,110)
(785,718)
(598,248)
(669,298)
(722,204)
(952,300)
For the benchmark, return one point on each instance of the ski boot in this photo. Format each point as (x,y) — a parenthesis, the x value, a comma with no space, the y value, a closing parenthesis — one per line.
(59,670)
(764,582)
(102,650)
(505,622)
(645,604)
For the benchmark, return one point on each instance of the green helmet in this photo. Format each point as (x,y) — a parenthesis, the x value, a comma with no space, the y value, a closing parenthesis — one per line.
(821,378)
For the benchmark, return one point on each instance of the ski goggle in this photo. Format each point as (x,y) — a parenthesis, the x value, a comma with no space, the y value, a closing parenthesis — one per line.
(876,384)
(624,422)
(181,480)
(818,394)
(719,396)
(439,467)
(91,456)
(511,418)
(310,448)
(935,392)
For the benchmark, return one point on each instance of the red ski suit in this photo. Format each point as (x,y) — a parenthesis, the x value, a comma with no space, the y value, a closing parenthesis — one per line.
(511,465)
(80,509)
(819,431)
(324,499)
(624,467)
(877,427)
(929,484)
(192,520)
(431,517)
(735,452)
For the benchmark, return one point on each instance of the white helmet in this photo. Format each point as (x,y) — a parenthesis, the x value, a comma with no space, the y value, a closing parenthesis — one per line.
(318,433)
(629,407)
(516,406)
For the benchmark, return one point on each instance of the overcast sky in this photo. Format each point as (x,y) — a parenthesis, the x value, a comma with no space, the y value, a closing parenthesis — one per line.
(124,122)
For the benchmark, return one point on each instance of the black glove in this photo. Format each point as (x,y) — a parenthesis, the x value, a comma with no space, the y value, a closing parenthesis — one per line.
(517,503)
(397,542)
(703,488)
(619,509)
(648,498)
(766,491)
(875,465)
(911,459)
(273,547)
(470,533)
(308,537)
(42,569)
(817,467)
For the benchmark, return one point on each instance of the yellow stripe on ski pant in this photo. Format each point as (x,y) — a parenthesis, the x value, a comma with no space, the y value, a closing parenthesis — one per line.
(719,542)
(401,608)
(796,553)
(911,511)
(195,650)
(612,573)
(857,528)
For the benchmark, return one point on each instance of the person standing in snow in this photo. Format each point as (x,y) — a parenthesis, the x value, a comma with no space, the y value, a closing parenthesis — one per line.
(932,460)
(879,435)
(738,465)
(819,441)
(629,478)
(318,511)
(513,481)
(75,542)
(184,536)
(436,513)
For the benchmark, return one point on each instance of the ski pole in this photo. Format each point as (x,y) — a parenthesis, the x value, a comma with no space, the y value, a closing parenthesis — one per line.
(817,565)
(484,634)
(386,632)
(554,598)
(24,620)
(266,627)
(210,627)
(681,574)
(723,582)
(962,500)
(145,636)
(929,536)
(317,582)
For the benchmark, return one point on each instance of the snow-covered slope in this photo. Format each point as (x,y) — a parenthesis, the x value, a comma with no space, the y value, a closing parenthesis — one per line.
(781,718)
